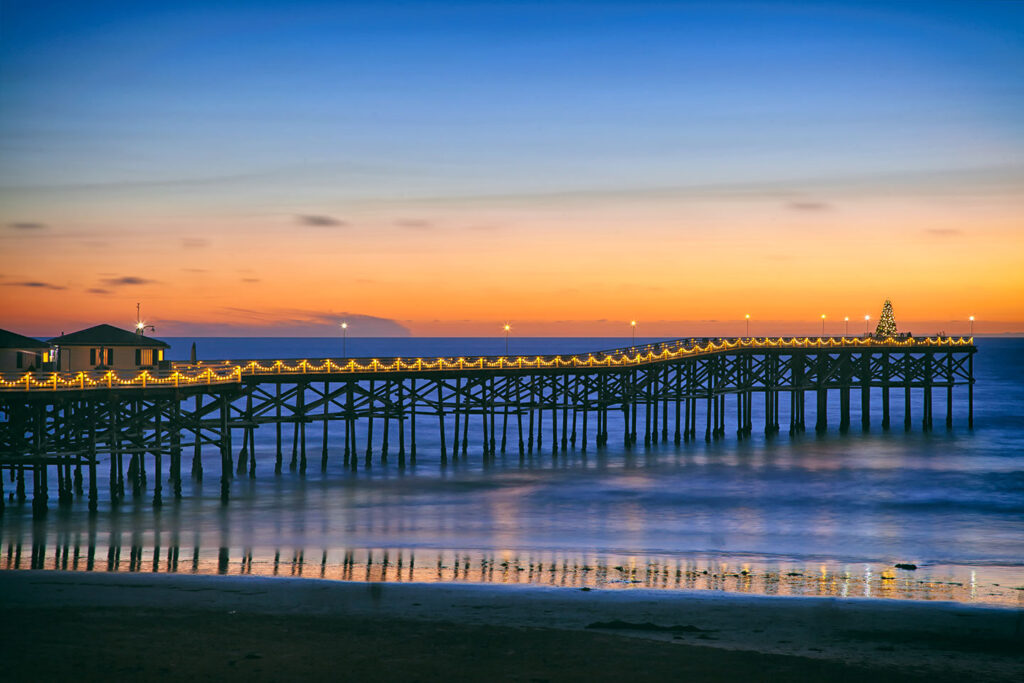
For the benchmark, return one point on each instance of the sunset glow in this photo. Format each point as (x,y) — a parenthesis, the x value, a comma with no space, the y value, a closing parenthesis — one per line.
(440,169)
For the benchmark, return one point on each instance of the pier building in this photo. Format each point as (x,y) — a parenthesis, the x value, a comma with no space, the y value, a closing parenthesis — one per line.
(19,353)
(107,347)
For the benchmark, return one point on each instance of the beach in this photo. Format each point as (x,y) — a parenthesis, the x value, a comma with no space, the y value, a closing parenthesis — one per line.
(88,626)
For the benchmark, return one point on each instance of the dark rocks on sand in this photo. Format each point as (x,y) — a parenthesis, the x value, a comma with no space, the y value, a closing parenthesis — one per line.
(905,565)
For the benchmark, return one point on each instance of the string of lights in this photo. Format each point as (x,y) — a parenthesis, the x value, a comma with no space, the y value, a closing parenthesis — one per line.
(228,372)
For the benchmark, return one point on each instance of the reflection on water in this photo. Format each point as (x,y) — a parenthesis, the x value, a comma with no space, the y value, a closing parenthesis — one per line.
(75,552)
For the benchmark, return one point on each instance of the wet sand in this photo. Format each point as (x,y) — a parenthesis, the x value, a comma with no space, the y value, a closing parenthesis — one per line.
(58,626)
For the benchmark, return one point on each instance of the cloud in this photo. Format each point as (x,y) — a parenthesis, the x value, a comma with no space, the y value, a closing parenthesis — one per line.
(414,224)
(944,232)
(126,280)
(808,206)
(301,322)
(318,221)
(250,279)
(97,290)
(193,270)
(33,285)
(27,225)
(194,242)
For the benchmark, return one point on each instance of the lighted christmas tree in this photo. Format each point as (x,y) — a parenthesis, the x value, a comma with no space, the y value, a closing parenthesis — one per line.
(886,322)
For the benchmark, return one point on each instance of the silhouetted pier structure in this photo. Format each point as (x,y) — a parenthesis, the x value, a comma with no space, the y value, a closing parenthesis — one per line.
(675,390)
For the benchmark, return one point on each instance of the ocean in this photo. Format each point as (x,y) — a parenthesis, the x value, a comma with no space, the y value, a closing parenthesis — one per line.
(807,514)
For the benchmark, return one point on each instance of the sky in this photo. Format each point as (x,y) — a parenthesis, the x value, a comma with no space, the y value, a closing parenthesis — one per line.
(434,169)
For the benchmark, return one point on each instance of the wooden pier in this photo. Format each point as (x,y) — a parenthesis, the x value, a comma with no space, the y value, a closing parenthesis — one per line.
(61,426)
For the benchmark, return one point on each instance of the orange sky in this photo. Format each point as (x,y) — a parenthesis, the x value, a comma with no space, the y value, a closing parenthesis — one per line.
(573,265)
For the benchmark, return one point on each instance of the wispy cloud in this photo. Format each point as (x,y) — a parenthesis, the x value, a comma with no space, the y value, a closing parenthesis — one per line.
(127,280)
(292,321)
(321,221)
(250,279)
(33,285)
(98,290)
(414,224)
(27,225)
(808,206)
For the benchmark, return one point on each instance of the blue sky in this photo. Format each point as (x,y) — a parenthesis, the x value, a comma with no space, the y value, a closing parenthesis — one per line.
(425,123)
(541,96)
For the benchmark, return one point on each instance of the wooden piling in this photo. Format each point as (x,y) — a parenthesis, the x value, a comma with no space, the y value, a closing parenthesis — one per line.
(225,450)
(440,419)
(886,380)
(412,420)
(370,405)
(175,447)
(158,484)
(323,436)
(401,423)
(277,429)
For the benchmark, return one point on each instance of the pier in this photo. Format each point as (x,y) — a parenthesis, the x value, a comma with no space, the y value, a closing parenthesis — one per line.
(66,427)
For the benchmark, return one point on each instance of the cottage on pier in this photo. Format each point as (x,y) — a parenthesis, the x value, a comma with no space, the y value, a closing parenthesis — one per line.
(107,347)
(21,353)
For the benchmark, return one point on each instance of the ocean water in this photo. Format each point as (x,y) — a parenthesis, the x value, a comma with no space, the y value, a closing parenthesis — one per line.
(808,514)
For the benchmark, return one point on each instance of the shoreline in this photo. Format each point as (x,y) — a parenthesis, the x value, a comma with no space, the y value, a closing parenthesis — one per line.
(740,574)
(937,640)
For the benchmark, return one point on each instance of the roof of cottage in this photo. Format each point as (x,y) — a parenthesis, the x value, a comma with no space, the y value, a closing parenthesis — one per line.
(108,335)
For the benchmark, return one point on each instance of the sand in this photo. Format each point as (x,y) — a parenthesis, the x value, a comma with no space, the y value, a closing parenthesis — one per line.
(59,625)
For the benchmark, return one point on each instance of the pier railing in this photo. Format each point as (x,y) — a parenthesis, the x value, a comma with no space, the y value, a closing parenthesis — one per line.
(184,374)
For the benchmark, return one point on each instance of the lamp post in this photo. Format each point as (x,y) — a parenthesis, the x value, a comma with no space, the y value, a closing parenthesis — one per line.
(748,324)
(972,325)
(508,328)
(866,319)
(633,325)
(822,324)
(344,339)
(847,319)
(140,327)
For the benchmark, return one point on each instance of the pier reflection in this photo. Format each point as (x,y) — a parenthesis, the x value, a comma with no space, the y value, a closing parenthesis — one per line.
(130,553)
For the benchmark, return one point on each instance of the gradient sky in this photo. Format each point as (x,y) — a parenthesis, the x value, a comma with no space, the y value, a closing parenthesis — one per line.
(440,168)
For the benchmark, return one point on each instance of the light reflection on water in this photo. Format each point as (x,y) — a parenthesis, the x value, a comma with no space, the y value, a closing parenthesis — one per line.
(561,569)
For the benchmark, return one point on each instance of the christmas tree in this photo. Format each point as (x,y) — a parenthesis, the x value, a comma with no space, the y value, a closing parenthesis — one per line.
(886,322)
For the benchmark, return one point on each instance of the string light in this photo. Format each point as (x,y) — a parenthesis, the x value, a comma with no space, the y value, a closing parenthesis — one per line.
(228,372)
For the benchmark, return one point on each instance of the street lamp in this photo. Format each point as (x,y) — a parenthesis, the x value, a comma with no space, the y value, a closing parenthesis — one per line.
(344,339)
(140,327)
(847,319)
(972,325)
(822,324)
(508,328)
(748,324)
(633,325)
(866,319)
